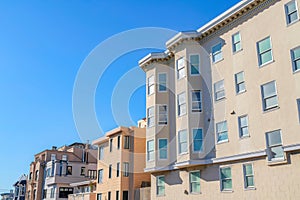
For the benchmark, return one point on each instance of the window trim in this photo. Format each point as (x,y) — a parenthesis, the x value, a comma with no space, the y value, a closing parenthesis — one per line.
(202,147)
(148,85)
(148,152)
(293,59)
(221,184)
(245,176)
(233,44)
(277,145)
(201,102)
(260,65)
(190,182)
(237,84)
(164,186)
(163,91)
(287,14)
(167,149)
(213,54)
(184,67)
(181,114)
(265,109)
(190,66)
(240,127)
(167,115)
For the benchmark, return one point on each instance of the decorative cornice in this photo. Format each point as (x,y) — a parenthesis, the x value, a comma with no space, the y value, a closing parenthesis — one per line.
(155,57)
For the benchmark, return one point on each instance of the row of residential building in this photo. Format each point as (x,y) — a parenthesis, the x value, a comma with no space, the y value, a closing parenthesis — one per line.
(222,120)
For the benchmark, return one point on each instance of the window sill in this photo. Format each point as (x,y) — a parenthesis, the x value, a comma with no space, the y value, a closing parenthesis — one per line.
(271,109)
(215,62)
(277,162)
(244,137)
(236,52)
(195,193)
(220,100)
(249,188)
(265,64)
(222,142)
(195,75)
(181,115)
(241,92)
(294,22)
(227,191)
(296,71)
(182,154)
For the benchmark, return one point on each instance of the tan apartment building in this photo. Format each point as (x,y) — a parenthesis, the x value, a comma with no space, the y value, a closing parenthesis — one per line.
(52,171)
(121,163)
(223,107)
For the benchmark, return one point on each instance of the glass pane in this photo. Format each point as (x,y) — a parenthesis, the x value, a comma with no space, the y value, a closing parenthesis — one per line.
(218,57)
(150,111)
(264,45)
(151,80)
(237,46)
(271,102)
(223,136)
(220,95)
(291,7)
(181,73)
(180,63)
(297,65)
(163,119)
(162,87)
(195,187)
(150,145)
(276,152)
(194,59)
(181,98)
(266,57)
(162,109)
(249,181)
(248,169)
(161,190)
(161,180)
(244,121)
(183,147)
(222,126)
(197,145)
(241,87)
(163,143)
(182,136)
(240,77)
(197,134)
(236,38)
(244,131)
(163,154)
(296,53)
(194,69)
(293,17)
(274,138)
(217,48)
(182,109)
(195,176)
(196,96)
(269,89)
(219,85)
(162,78)
(227,184)
(196,106)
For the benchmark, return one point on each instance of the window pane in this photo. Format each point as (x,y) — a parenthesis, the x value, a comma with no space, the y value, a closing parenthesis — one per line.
(181,98)
(163,143)
(277,152)
(218,57)
(274,138)
(241,87)
(225,173)
(244,121)
(195,187)
(194,59)
(240,77)
(266,57)
(249,181)
(248,169)
(151,111)
(237,46)
(291,7)
(217,48)
(222,126)
(219,85)
(183,147)
(236,38)
(271,102)
(180,63)
(296,53)
(163,154)
(269,89)
(293,17)
(264,45)
(182,136)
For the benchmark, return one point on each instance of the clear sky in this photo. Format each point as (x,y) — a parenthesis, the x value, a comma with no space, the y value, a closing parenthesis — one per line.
(42,46)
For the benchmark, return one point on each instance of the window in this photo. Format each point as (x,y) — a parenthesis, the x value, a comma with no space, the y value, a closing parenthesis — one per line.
(182,141)
(181,104)
(197,140)
(274,146)
(296,59)
(219,90)
(264,50)
(100,175)
(52,192)
(150,116)
(82,171)
(30,175)
(126,142)
(236,42)
(196,101)
(291,12)
(125,195)
(180,68)
(160,185)
(101,153)
(118,141)
(69,170)
(37,175)
(162,82)
(110,145)
(44,194)
(109,171)
(53,157)
(163,115)
(64,192)
(64,158)
(248,175)
(226,180)
(269,95)
(163,148)
(34,194)
(243,126)
(118,169)
(150,150)
(298,105)
(222,132)
(126,169)
(194,64)
(151,85)
(117,195)
(240,82)
(217,53)
(48,172)
(109,195)
(99,196)
(195,182)
(92,174)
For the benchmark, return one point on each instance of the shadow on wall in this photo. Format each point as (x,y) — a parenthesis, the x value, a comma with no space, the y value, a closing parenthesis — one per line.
(211,173)
(173,178)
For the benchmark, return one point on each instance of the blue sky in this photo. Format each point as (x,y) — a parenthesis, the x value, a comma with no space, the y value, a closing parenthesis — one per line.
(42,46)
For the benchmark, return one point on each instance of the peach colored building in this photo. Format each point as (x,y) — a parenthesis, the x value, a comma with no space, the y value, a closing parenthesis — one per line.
(121,163)
(223,107)
(52,171)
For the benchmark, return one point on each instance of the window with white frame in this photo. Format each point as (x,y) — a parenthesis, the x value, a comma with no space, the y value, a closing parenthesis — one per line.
(195,182)
(264,50)
(269,95)
(182,142)
(64,157)
(101,152)
(163,148)
(194,64)
(53,157)
(163,114)
(222,131)
(248,175)
(160,185)
(180,68)
(52,192)
(126,169)
(150,150)
(243,126)
(298,105)
(100,175)
(219,90)
(197,139)
(181,104)
(226,179)
(296,59)
(274,146)
(151,85)
(196,101)
(236,42)
(162,82)
(291,12)
(217,53)
(240,82)
(150,117)
(99,196)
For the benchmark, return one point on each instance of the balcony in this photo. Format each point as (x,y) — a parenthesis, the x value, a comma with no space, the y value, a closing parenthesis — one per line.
(82,196)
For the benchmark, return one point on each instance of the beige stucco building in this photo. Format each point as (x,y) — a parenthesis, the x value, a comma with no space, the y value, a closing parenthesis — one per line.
(223,107)
(121,163)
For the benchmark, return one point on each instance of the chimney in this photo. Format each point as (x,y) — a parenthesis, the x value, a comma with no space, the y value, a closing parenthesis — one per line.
(54,148)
